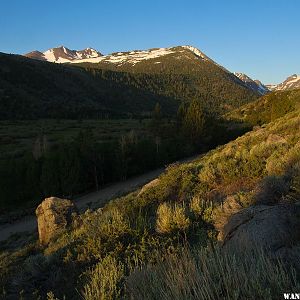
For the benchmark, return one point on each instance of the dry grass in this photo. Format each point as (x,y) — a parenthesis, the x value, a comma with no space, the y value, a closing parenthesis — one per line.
(213,274)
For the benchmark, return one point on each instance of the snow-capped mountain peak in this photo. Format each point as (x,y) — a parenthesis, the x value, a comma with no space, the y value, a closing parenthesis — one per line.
(255,85)
(292,82)
(64,55)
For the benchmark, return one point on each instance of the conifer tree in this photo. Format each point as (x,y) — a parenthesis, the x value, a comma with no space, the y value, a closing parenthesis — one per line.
(194,121)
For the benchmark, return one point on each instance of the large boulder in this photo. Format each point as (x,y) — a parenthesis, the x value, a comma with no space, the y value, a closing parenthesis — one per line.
(53,216)
(274,228)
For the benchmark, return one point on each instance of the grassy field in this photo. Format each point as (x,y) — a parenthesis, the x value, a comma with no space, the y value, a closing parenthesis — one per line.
(17,137)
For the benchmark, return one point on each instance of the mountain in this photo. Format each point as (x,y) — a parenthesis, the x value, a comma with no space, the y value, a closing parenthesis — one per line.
(63,54)
(183,73)
(255,85)
(267,108)
(120,83)
(292,82)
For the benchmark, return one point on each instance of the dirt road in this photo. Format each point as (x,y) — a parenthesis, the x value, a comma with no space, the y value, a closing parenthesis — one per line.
(94,200)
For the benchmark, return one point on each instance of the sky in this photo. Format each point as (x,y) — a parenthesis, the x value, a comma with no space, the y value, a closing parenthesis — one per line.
(258,37)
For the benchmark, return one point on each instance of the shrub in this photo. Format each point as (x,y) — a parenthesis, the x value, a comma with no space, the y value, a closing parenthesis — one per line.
(110,223)
(272,189)
(208,174)
(171,218)
(196,205)
(104,280)
(202,208)
(39,268)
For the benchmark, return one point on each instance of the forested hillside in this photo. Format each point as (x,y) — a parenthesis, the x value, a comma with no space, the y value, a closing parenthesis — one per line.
(267,108)
(183,74)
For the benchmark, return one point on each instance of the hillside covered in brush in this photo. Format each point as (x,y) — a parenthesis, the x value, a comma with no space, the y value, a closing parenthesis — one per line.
(267,108)
(161,242)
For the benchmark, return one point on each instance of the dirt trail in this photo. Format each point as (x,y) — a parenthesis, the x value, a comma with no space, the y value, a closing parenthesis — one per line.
(94,200)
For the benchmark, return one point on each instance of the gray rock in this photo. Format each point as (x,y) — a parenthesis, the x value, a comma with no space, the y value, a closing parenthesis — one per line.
(53,216)
(149,185)
(274,228)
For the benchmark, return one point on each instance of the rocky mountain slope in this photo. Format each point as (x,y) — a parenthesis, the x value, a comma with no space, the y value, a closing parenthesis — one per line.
(291,83)
(255,85)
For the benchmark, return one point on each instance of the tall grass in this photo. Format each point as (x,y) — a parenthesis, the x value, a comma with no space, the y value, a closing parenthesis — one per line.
(212,274)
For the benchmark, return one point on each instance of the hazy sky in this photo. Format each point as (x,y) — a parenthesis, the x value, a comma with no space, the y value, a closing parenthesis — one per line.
(259,38)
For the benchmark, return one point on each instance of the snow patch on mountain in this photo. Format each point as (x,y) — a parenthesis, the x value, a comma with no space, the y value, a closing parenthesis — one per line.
(132,57)
(197,52)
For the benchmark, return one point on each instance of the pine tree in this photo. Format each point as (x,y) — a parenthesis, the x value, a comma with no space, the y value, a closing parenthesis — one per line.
(194,121)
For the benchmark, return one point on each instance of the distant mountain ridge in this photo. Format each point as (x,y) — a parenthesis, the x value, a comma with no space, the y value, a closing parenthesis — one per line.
(255,85)
(135,60)
(64,55)
(291,83)
(89,55)
(152,60)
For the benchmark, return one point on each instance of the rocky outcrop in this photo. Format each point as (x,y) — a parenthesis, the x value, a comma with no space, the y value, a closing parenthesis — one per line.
(149,185)
(53,216)
(224,212)
(276,139)
(274,228)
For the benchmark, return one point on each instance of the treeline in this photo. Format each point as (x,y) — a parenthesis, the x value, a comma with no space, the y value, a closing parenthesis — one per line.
(84,164)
